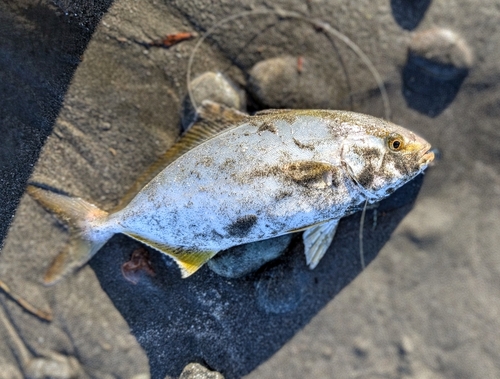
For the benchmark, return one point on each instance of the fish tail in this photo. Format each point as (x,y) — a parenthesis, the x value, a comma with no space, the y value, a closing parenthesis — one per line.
(89,230)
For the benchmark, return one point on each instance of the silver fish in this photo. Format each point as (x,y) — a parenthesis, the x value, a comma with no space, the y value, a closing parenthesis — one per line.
(251,178)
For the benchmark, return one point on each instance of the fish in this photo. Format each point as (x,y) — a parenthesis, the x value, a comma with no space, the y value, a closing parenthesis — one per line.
(235,178)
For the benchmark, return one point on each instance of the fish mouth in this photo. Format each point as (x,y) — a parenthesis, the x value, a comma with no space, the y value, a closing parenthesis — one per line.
(427,157)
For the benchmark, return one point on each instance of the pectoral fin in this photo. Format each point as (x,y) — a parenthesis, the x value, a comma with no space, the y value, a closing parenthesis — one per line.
(189,261)
(317,240)
(213,118)
(306,227)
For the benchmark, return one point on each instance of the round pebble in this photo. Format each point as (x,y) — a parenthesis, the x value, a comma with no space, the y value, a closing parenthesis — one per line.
(244,259)
(442,46)
(212,86)
(296,82)
(57,367)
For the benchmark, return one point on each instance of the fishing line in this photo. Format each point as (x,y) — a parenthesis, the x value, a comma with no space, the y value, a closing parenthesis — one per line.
(317,24)
(361,226)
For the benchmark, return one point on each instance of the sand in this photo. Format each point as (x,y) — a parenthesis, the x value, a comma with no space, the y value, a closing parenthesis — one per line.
(87,105)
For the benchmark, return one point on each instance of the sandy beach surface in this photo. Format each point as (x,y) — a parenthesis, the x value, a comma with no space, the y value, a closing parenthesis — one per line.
(92,94)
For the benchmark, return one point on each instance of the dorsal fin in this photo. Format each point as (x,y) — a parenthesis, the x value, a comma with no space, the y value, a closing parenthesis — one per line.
(272,111)
(189,261)
(212,119)
(220,116)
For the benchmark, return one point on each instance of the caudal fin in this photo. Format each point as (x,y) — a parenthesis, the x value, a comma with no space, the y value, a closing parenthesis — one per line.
(88,230)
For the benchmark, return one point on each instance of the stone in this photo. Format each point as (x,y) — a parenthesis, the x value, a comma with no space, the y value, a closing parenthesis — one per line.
(212,86)
(244,259)
(438,62)
(295,82)
(197,371)
(280,289)
(442,46)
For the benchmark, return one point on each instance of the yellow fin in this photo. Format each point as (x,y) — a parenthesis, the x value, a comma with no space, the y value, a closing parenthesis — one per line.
(189,261)
(213,118)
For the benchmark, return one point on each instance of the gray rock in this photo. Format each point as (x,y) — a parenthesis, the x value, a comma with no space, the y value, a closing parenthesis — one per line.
(212,86)
(285,82)
(408,14)
(216,87)
(442,46)
(241,260)
(197,371)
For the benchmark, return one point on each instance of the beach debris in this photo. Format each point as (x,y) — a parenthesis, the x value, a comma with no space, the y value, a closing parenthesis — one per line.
(45,315)
(172,39)
(139,263)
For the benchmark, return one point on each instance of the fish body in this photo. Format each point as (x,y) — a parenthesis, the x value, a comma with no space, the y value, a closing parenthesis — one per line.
(266,175)
(245,186)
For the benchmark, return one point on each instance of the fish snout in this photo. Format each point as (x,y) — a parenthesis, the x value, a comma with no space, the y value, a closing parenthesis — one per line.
(427,156)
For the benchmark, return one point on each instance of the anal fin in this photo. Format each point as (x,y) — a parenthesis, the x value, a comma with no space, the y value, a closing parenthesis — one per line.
(188,260)
(317,240)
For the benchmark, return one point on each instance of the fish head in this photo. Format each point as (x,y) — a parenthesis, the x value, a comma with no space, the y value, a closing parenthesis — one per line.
(380,157)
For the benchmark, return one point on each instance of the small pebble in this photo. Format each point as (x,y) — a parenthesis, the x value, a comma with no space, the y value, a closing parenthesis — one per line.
(105,126)
(57,366)
(197,371)
(216,87)
(212,86)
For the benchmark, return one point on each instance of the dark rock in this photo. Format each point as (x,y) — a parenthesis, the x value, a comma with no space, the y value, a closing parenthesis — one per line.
(244,259)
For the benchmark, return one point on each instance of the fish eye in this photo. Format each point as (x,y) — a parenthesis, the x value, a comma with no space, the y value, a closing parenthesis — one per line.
(395,142)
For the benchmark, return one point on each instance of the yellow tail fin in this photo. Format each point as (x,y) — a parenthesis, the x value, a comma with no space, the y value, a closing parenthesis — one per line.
(87,225)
